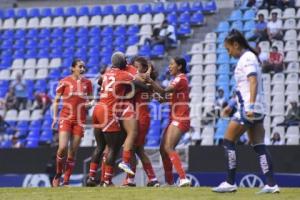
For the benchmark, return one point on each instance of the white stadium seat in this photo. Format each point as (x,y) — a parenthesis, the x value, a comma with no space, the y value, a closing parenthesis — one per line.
(58,22)
(29,74)
(121,20)
(41,74)
(8,24)
(96,21)
(45,22)
(133,19)
(30,63)
(33,23)
(146,19)
(21,23)
(71,21)
(197,48)
(11,115)
(18,63)
(108,20)
(24,115)
(42,63)
(83,21)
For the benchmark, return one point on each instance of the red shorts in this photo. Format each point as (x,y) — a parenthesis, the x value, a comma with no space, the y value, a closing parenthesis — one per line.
(184,125)
(71,126)
(128,112)
(105,120)
(143,126)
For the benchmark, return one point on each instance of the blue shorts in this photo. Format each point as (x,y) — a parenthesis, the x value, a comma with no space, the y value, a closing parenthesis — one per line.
(241,118)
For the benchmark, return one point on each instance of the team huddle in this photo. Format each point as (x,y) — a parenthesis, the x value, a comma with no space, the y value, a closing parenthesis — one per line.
(121,118)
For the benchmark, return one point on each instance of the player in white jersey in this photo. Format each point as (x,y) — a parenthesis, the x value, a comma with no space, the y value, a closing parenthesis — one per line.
(250,114)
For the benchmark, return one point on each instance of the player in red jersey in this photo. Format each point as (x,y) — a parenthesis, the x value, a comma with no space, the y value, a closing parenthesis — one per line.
(179,119)
(141,101)
(75,91)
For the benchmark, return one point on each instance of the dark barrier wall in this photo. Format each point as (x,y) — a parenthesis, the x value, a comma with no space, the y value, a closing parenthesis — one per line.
(201,159)
(35,160)
(211,159)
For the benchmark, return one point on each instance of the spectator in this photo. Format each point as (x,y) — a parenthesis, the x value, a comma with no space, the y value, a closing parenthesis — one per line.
(274,28)
(155,38)
(274,63)
(42,101)
(267,4)
(3,127)
(282,4)
(276,139)
(251,3)
(16,143)
(10,100)
(21,92)
(260,33)
(293,115)
(167,33)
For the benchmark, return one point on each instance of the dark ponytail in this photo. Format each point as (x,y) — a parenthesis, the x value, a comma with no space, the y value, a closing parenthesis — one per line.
(236,36)
(182,62)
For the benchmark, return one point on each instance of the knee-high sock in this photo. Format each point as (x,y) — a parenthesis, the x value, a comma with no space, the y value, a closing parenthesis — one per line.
(108,173)
(69,169)
(230,154)
(168,170)
(175,159)
(126,156)
(93,169)
(103,167)
(59,165)
(265,163)
(149,171)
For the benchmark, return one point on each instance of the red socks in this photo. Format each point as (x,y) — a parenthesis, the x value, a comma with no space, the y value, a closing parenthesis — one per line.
(126,156)
(177,164)
(93,169)
(149,171)
(168,170)
(69,169)
(108,174)
(59,165)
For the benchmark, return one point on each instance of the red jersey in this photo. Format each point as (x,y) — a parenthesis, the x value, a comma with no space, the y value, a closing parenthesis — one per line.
(114,87)
(180,98)
(141,102)
(43,98)
(75,95)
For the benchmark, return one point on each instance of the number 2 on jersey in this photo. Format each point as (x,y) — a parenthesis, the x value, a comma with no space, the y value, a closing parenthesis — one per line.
(108,82)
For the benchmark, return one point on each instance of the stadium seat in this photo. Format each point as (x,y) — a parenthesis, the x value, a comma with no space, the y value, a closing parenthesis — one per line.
(46,136)
(145,50)
(71,21)
(58,22)
(223,27)
(209,6)
(249,15)
(44,33)
(210,58)
(20,34)
(158,8)
(46,12)
(9,13)
(133,9)
(184,17)
(120,20)
(235,15)
(96,21)
(21,23)
(289,13)
(108,10)
(44,43)
(84,11)
(197,18)
(172,18)
(290,35)
(158,51)
(171,7)
(96,10)
(145,8)
(238,25)
(196,6)
(21,13)
(32,143)
(8,24)
(184,30)
(121,10)
(158,18)
(146,19)
(249,26)
(11,115)
(83,21)
(196,59)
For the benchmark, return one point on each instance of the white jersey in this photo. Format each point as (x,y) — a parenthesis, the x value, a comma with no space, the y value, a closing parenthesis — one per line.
(248,65)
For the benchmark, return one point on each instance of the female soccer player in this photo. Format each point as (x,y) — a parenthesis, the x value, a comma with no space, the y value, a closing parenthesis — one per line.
(75,91)
(179,119)
(250,115)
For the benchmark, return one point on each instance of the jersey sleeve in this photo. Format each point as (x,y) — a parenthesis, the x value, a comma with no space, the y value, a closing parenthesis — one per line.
(249,66)
(177,83)
(61,87)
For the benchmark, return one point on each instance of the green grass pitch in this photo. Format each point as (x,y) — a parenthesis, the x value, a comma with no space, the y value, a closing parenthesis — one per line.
(141,193)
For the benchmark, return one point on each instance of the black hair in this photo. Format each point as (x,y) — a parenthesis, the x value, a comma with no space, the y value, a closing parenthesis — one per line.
(182,62)
(75,61)
(236,36)
(275,47)
(143,61)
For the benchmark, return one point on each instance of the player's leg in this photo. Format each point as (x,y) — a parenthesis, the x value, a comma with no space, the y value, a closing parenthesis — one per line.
(233,132)
(256,134)
(129,179)
(96,156)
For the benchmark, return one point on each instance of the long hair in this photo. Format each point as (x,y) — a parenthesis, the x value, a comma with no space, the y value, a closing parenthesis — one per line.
(182,62)
(236,36)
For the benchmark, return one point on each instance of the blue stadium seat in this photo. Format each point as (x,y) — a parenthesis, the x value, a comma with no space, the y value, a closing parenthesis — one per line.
(57,32)
(46,136)
(82,32)
(235,15)
(238,25)
(20,33)
(233,61)
(210,6)
(249,34)
(5,62)
(34,12)
(223,27)
(221,48)
(132,30)
(21,13)
(44,33)
(196,6)
(106,41)
(19,44)
(7,34)
(249,15)
(184,7)
(108,10)
(71,11)
(107,31)
(197,18)
(232,82)
(56,53)
(146,8)
(158,51)
(106,51)
(93,70)
(96,10)
(221,128)
(105,60)
(31,44)
(94,42)
(45,43)
(34,133)
(19,53)
(57,42)
(93,61)
(47,122)
(30,88)
(32,143)
(184,30)
(3,91)
(81,53)
(120,48)
(58,12)
(223,69)
(221,37)
(33,33)
(51,88)
(121,9)
(119,31)
(1,14)
(68,42)
(223,58)
(119,41)
(222,80)
(23,125)
(158,8)
(94,31)
(67,61)
(171,7)
(46,12)
(145,50)
(249,26)
(70,32)
(43,53)
(133,9)
(9,13)
(84,11)
(132,40)
(6,144)
(184,18)
(82,42)
(54,74)
(68,53)
(152,142)
(40,85)
(172,18)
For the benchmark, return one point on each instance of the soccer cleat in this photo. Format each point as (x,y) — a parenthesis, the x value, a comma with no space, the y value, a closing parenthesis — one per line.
(56,182)
(91,182)
(269,189)
(108,184)
(184,182)
(153,184)
(126,168)
(128,184)
(225,187)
